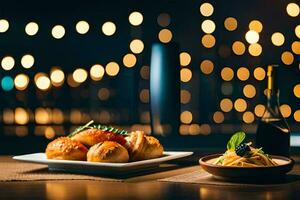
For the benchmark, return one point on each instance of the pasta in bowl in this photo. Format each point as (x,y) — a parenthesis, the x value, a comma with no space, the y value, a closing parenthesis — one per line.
(242,160)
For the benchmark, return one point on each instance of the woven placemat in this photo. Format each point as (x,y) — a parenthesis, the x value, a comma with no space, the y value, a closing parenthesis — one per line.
(199,176)
(11,170)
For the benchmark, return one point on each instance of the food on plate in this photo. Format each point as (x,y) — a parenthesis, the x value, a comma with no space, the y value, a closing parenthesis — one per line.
(243,154)
(108,151)
(90,135)
(100,143)
(63,148)
(142,147)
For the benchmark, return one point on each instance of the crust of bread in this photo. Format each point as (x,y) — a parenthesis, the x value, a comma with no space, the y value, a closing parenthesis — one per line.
(108,151)
(142,147)
(63,148)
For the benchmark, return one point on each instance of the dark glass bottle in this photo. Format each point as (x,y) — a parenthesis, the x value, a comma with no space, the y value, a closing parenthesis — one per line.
(165,89)
(273,132)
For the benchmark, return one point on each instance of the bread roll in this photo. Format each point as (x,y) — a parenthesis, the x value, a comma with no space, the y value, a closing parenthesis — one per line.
(108,151)
(91,137)
(63,148)
(142,147)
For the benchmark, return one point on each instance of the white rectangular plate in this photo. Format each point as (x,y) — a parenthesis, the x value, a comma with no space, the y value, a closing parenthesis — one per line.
(100,168)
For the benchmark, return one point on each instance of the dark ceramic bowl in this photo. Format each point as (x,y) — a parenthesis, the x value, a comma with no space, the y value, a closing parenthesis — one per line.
(232,172)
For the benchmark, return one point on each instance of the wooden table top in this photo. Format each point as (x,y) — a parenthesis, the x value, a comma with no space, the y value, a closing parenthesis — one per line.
(144,187)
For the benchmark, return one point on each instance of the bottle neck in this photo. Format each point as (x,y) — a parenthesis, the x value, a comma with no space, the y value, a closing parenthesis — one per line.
(273,99)
(272,110)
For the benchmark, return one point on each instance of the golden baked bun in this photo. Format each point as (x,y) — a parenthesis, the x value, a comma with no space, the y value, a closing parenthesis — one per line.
(108,151)
(91,137)
(142,147)
(63,148)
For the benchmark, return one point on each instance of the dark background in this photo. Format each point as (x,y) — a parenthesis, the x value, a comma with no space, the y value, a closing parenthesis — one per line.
(124,106)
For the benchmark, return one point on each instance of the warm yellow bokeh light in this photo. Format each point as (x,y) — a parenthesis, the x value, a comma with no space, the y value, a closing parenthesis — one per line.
(240,105)
(42,81)
(27,61)
(58,31)
(277,39)
(97,72)
(165,35)
(82,27)
(185,75)
(21,81)
(194,129)
(57,77)
(109,28)
(249,91)
(184,58)
(145,96)
(8,63)
(208,26)
(252,37)
(185,96)
(4,25)
(129,60)
(255,49)
(238,48)
(136,46)
(285,110)
(49,133)
(184,129)
(292,9)
(218,117)
(43,115)
(206,9)
(287,58)
(135,18)
(208,41)
(80,75)
(226,105)
(207,66)
(230,23)
(205,129)
(248,117)
(297,115)
(243,73)
(259,110)
(259,73)
(186,117)
(256,25)
(227,74)
(296,47)
(164,19)
(21,116)
(8,116)
(297,31)
(112,69)
(31,28)
(71,82)
(297,90)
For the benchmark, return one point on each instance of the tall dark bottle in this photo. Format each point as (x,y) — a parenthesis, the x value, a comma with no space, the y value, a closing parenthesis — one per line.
(165,88)
(273,132)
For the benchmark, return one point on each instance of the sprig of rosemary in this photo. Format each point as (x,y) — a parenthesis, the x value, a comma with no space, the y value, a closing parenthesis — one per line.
(99,127)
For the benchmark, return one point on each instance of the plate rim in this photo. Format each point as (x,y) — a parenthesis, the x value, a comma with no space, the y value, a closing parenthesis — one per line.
(202,161)
(171,155)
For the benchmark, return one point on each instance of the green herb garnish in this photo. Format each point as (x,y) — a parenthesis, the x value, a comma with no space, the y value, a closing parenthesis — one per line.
(236,140)
(80,128)
(98,126)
